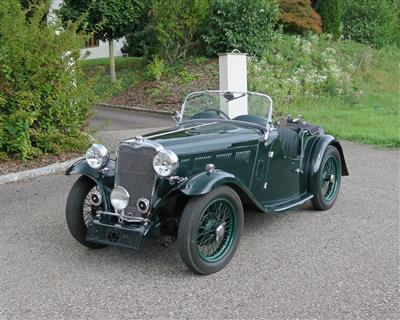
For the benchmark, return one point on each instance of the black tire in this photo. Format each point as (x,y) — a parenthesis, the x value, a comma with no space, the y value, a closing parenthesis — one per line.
(74,211)
(325,199)
(194,215)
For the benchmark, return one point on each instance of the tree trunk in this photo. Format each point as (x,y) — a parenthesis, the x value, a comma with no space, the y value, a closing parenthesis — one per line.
(112,60)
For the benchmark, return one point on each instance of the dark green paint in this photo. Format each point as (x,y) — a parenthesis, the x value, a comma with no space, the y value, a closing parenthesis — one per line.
(240,154)
(105,181)
(318,154)
(203,183)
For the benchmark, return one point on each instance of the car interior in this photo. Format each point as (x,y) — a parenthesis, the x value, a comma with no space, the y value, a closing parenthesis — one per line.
(290,131)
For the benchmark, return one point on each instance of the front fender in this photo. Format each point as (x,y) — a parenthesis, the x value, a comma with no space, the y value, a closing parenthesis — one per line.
(319,151)
(205,182)
(82,167)
(105,181)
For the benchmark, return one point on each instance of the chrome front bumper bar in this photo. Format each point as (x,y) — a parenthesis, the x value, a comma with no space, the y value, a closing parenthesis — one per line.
(122,217)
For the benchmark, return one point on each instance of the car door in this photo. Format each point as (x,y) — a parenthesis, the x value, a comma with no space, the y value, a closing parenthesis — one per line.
(276,175)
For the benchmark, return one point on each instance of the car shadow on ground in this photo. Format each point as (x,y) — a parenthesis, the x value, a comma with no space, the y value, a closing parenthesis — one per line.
(152,257)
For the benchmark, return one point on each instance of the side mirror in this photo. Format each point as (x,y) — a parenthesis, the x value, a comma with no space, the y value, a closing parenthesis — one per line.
(176,116)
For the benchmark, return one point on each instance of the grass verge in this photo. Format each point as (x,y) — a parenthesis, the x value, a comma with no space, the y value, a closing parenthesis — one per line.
(370,113)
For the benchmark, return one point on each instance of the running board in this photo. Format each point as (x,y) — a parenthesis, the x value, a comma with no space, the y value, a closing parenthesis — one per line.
(280,207)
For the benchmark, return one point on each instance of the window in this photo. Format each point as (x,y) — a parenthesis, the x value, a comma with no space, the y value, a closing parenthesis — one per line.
(92,42)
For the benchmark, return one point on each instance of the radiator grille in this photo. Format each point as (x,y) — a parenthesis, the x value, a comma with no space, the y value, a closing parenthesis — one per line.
(135,173)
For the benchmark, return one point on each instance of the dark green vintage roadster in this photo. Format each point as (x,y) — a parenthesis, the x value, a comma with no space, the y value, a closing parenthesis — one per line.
(191,182)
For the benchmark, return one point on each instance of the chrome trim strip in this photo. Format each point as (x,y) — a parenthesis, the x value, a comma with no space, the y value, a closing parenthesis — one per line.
(137,143)
(142,142)
(295,204)
(179,130)
(123,216)
(198,93)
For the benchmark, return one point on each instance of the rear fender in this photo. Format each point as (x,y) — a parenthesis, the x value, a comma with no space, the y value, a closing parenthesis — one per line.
(205,182)
(103,178)
(316,159)
(319,152)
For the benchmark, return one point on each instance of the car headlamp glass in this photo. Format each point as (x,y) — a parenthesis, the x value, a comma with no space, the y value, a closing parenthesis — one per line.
(97,156)
(119,198)
(165,163)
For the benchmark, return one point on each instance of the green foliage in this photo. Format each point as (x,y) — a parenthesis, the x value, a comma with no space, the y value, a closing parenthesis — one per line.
(156,68)
(41,95)
(106,19)
(295,66)
(372,22)
(130,71)
(348,88)
(141,37)
(298,16)
(26,4)
(175,25)
(246,25)
(331,16)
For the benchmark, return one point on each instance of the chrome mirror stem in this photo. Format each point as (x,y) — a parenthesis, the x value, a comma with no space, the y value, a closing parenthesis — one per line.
(177,117)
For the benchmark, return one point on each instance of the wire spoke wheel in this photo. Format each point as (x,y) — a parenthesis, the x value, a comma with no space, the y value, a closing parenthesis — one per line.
(329,178)
(216,230)
(89,210)
(210,229)
(79,210)
(325,184)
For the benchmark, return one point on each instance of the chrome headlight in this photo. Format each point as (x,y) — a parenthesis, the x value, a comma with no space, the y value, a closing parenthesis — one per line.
(165,163)
(119,198)
(97,156)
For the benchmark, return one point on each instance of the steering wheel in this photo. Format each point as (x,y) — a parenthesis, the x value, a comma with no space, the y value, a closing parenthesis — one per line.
(219,113)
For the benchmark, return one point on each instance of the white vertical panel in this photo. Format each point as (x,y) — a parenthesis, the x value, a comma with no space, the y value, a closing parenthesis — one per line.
(233,77)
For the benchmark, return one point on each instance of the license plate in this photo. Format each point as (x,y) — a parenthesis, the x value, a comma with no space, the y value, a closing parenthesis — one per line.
(114,235)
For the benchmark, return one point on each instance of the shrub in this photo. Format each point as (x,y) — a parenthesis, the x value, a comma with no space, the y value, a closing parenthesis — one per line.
(141,38)
(156,68)
(297,66)
(297,16)
(246,25)
(371,22)
(43,105)
(330,12)
(175,25)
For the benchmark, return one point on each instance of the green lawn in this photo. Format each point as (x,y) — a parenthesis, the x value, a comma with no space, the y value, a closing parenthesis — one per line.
(373,115)
(130,70)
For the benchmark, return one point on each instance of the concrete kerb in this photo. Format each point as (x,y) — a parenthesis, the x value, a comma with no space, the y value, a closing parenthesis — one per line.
(34,173)
(109,138)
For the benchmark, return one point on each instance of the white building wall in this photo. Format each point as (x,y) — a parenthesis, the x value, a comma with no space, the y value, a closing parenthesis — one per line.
(101,51)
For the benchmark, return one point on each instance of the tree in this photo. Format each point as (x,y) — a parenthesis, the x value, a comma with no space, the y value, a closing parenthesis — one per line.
(298,16)
(372,22)
(246,25)
(105,19)
(176,24)
(330,11)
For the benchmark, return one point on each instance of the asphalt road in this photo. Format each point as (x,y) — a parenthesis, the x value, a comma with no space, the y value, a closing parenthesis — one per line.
(107,119)
(338,264)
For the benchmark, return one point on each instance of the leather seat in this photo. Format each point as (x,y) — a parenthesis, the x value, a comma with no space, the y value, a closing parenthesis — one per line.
(252,119)
(290,142)
(206,115)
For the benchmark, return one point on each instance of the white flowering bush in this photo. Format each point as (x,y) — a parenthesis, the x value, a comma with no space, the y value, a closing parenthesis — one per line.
(295,66)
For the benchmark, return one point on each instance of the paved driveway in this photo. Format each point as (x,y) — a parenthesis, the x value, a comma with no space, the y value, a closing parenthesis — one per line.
(108,119)
(339,264)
